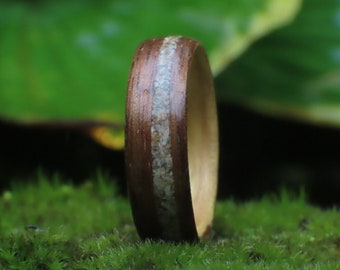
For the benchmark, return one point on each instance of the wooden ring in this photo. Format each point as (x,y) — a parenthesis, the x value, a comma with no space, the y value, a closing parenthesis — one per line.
(171,140)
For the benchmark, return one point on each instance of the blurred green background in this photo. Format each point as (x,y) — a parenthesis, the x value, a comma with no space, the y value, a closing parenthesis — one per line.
(64,67)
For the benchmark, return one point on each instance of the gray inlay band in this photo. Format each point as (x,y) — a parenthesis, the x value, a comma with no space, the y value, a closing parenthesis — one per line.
(162,165)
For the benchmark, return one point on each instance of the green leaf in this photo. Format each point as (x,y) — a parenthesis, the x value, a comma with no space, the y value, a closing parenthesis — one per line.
(68,61)
(293,72)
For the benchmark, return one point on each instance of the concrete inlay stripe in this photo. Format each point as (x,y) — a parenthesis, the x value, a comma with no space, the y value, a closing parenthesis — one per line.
(162,164)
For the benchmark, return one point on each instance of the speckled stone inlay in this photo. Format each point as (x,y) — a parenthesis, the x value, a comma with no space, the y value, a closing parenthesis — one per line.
(162,165)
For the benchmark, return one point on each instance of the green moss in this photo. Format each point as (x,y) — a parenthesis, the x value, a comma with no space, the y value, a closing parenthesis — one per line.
(52,225)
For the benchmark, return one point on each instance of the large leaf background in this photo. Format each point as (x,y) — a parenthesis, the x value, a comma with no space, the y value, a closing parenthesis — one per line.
(67,62)
(293,72)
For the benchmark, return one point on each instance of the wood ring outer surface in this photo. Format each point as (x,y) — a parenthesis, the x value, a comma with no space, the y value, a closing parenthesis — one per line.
(171,138)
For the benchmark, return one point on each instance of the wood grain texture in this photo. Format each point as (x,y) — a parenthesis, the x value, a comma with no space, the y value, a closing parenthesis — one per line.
(161,134)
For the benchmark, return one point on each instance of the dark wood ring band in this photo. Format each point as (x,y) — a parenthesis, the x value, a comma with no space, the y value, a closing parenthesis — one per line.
(171,140)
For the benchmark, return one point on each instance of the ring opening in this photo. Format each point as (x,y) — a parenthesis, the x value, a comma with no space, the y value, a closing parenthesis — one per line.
(202,137)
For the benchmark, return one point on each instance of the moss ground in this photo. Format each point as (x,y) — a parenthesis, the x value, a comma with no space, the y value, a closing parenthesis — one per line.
(46,224)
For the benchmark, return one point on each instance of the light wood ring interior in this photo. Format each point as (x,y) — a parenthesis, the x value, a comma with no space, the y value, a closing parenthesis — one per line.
(202,140)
